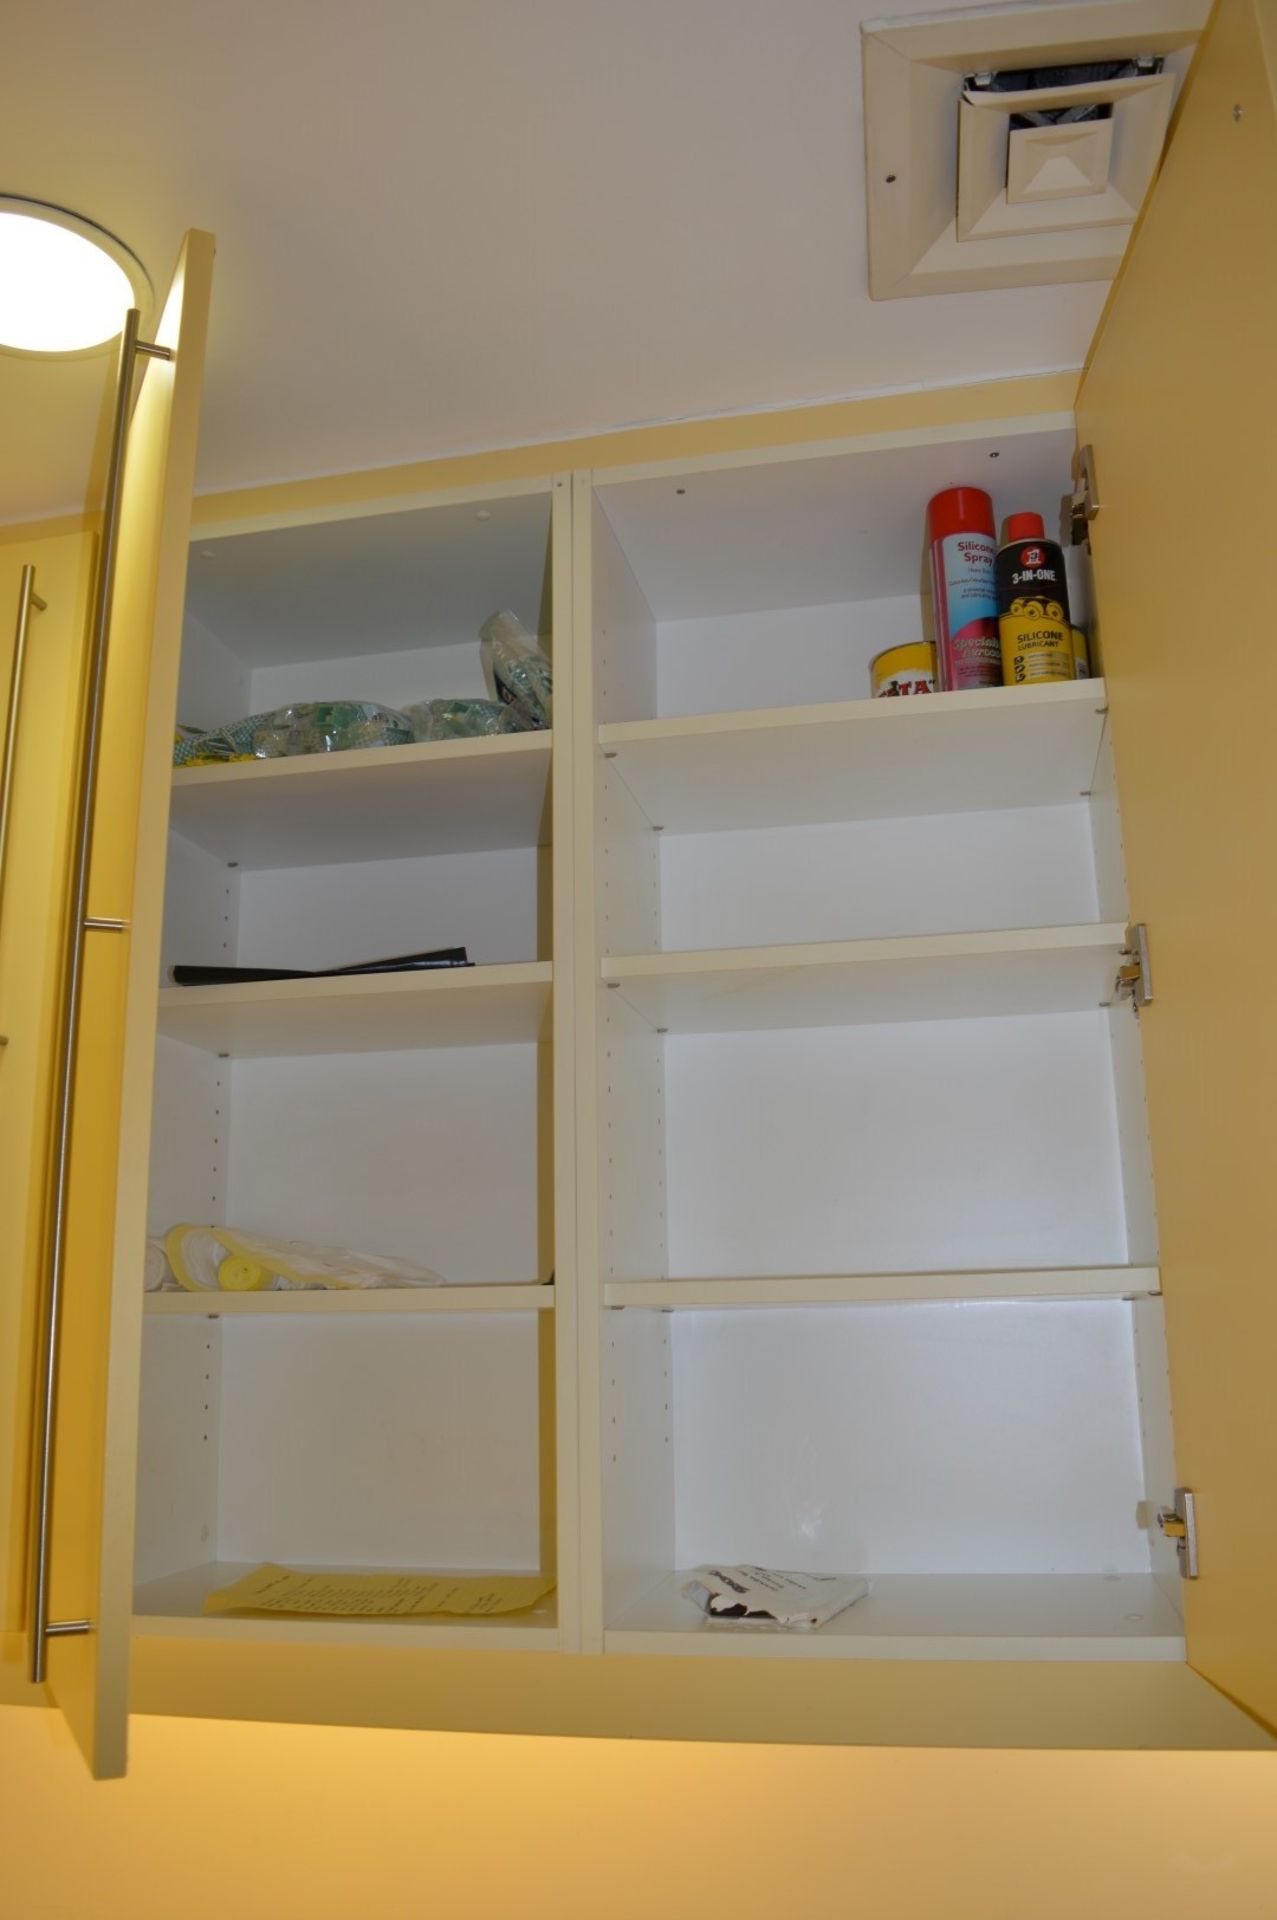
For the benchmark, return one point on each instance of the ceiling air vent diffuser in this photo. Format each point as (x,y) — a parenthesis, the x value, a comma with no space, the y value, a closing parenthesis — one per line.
(1014,146)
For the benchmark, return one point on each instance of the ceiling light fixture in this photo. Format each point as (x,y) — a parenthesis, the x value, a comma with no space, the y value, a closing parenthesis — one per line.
(65,282)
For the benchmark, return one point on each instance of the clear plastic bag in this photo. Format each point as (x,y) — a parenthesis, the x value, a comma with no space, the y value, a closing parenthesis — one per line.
(329,726)
(516,670)
(194,748)
(332,726)
(463,719)
(223,1259)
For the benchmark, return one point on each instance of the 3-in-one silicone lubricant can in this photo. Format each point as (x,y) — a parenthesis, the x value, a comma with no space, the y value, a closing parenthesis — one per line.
(963,548)
(1033,606)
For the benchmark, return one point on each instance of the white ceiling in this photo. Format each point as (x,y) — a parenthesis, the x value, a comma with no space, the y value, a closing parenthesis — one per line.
(452,224)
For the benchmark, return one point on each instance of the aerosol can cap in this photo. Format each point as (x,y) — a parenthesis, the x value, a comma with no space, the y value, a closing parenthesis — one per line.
(1024,526)
(960,510)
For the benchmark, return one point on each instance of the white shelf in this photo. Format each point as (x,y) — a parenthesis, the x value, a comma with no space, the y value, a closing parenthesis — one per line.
(934,1617)
(362,1013)
(890,1289)
(378,803)
(520,1298)
(863,982)
(863,759)
(173,1607)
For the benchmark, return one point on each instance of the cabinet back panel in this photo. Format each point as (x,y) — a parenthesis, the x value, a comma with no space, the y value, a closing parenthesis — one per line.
(838,523)
(779,659)
(396,679)
(429,1156)
(940,1145)
(215,686)
(406,577)
(974,1438)
(332,916)
(943,873)
(395,1443)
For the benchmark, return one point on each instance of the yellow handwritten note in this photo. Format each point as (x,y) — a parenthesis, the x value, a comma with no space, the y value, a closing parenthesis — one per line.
(272,1589)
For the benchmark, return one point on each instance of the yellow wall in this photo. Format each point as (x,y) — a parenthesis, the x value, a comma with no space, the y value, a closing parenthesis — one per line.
(690,440)
(244,1822)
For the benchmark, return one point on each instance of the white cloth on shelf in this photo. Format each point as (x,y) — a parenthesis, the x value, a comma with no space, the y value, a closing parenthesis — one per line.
(762,1596)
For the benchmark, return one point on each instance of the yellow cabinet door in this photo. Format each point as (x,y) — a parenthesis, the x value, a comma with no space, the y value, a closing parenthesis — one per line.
(38,742)
(1180,405)
(90,1440)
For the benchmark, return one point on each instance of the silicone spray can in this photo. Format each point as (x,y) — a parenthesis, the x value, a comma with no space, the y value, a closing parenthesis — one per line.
(963,549)
(1033,606)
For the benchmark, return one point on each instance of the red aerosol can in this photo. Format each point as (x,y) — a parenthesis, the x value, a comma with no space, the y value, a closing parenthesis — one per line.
(963,549)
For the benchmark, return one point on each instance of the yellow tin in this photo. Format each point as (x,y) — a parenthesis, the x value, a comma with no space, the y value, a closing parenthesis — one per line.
(907,669)
(1081,656)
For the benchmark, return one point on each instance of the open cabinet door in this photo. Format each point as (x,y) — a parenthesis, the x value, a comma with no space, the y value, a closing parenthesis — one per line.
(1179,403)
(92,1196)
(45,592)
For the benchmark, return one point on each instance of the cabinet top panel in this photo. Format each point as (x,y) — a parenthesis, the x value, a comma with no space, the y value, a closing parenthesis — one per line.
(378,583)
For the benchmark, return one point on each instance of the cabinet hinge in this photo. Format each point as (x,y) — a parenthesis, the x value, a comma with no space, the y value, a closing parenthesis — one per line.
(1084,503)
(1179,1523)
(1135,975)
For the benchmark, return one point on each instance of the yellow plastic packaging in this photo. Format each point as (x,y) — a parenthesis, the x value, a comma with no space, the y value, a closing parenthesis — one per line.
(222,1260)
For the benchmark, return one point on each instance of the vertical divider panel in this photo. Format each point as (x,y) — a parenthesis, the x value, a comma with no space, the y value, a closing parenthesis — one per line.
(620,1078)
(1157,1440)
(190,1145)
(190,1129)
(201,908)
(639,1533)
(1148,1323)
(1106,834)
(622,636)
(1132,1134)
(560,1503)
(585,1087)
(1124,1033)
(177,1497)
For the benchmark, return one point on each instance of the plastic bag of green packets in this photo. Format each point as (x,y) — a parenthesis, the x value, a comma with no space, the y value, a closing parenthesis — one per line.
(329,726)
(517,672)
(464,719)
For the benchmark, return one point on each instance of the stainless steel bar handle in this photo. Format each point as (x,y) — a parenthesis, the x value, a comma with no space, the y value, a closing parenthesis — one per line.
(27,598)
(42,1630)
